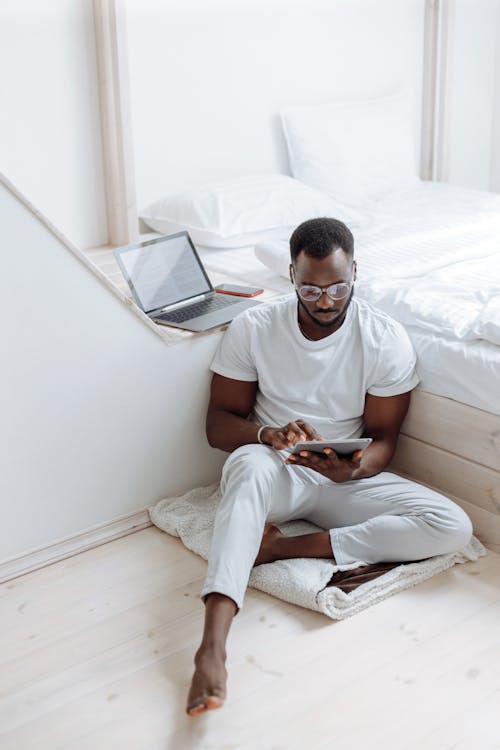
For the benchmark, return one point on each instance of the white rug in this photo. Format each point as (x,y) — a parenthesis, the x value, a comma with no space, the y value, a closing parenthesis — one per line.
(300,581)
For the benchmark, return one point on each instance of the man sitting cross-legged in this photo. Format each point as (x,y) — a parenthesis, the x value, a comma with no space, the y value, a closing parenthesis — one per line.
(317,364)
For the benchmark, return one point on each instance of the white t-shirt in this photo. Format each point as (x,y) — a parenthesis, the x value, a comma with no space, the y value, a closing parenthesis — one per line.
(323,382)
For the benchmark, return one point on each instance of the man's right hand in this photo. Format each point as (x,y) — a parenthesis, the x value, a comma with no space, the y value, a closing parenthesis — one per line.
(287,436)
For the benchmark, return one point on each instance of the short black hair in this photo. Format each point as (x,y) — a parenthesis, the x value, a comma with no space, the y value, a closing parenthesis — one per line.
(320,237)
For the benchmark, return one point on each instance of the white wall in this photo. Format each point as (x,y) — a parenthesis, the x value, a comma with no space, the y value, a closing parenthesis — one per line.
(473,83)
(208,79)
(50,144)
(100,417)
(495,160)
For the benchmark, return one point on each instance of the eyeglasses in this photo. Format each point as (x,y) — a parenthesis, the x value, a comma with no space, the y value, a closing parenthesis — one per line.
(312,293)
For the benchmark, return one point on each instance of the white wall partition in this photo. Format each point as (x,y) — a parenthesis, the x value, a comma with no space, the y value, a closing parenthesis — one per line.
(50,139)
(208,79)
(99,417)
(472,93)
(495,158)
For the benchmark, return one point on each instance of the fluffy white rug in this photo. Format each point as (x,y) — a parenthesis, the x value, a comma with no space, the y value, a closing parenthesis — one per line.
(300,581)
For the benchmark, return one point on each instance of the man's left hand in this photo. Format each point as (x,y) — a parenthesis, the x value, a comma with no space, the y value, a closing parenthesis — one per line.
(338,469)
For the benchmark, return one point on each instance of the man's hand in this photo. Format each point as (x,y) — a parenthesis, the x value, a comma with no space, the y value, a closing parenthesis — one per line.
(329,464)
(286,437)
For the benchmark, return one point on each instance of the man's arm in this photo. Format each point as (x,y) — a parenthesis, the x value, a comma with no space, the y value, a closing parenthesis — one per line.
(383,417)
(231,401)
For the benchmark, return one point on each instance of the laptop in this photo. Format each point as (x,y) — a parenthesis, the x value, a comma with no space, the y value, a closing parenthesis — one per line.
(168,281)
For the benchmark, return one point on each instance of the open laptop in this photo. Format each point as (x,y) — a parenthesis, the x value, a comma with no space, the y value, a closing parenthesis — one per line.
(168,281)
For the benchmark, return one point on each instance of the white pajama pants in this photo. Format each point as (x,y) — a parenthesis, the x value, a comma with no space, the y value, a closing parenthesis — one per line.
(384,518)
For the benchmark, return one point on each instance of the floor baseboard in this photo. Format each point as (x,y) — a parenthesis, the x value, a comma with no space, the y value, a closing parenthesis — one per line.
(73,545)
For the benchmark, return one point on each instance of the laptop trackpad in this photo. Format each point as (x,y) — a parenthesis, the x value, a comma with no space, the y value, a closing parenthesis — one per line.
(219,317)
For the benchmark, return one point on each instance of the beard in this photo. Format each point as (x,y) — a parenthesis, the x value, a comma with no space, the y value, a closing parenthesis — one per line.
(335,321)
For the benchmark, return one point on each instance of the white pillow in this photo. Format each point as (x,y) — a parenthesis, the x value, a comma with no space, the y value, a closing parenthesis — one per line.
(356,151)
(243,211)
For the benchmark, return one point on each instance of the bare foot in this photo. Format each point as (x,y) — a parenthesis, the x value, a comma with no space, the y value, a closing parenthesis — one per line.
(267,551)
(208,686)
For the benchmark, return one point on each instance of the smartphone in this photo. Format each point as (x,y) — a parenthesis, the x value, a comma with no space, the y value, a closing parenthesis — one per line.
(341,447)
(239,291)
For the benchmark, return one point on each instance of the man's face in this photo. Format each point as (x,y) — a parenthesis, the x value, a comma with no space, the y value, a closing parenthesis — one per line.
(334,269)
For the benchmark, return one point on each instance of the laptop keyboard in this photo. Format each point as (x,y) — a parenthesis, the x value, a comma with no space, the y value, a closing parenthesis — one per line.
(203,307)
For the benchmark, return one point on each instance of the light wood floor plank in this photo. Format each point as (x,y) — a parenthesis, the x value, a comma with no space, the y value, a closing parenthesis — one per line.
(476,727)
(31,611)
(348,665)
(117,627)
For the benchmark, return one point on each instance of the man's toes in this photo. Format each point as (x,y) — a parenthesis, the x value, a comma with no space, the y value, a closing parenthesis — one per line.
(210,704)
(213,702)
(195,710)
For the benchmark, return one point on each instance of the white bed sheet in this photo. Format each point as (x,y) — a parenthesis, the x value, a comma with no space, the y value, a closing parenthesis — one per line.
(430,258)
(468,372)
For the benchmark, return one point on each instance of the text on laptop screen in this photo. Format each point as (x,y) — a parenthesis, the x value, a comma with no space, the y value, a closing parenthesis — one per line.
(165,272)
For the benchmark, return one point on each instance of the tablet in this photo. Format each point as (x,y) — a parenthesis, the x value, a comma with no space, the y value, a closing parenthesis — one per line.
(342,447)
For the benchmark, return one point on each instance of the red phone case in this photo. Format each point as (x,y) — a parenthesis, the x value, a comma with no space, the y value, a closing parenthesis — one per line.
(238,294)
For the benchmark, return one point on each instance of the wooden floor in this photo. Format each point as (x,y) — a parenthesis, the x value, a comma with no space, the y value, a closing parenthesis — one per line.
(96,652)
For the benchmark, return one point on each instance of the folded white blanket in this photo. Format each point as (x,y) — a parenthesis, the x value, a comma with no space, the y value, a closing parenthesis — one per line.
(300,581)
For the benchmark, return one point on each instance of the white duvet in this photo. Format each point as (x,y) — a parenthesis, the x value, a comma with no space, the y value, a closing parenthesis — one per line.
(429,257)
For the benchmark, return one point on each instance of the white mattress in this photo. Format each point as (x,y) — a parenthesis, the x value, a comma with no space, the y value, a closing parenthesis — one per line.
(466,372)
(429,257)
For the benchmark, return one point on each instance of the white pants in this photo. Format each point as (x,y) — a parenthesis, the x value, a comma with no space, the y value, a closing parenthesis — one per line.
(380,519)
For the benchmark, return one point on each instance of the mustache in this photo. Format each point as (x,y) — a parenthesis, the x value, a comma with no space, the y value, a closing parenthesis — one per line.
(343,309)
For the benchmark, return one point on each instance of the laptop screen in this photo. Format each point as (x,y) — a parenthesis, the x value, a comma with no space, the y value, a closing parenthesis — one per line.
(164,271)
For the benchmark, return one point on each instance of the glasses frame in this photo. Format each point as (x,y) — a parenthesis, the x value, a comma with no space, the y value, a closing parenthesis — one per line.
(322,289)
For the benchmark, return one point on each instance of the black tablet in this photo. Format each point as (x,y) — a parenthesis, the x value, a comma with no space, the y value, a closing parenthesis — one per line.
(341,447)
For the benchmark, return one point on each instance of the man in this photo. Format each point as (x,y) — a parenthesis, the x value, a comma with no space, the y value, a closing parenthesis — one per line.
(318,364)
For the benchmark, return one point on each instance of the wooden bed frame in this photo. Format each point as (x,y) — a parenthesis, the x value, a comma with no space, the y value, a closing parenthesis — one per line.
(455,449)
